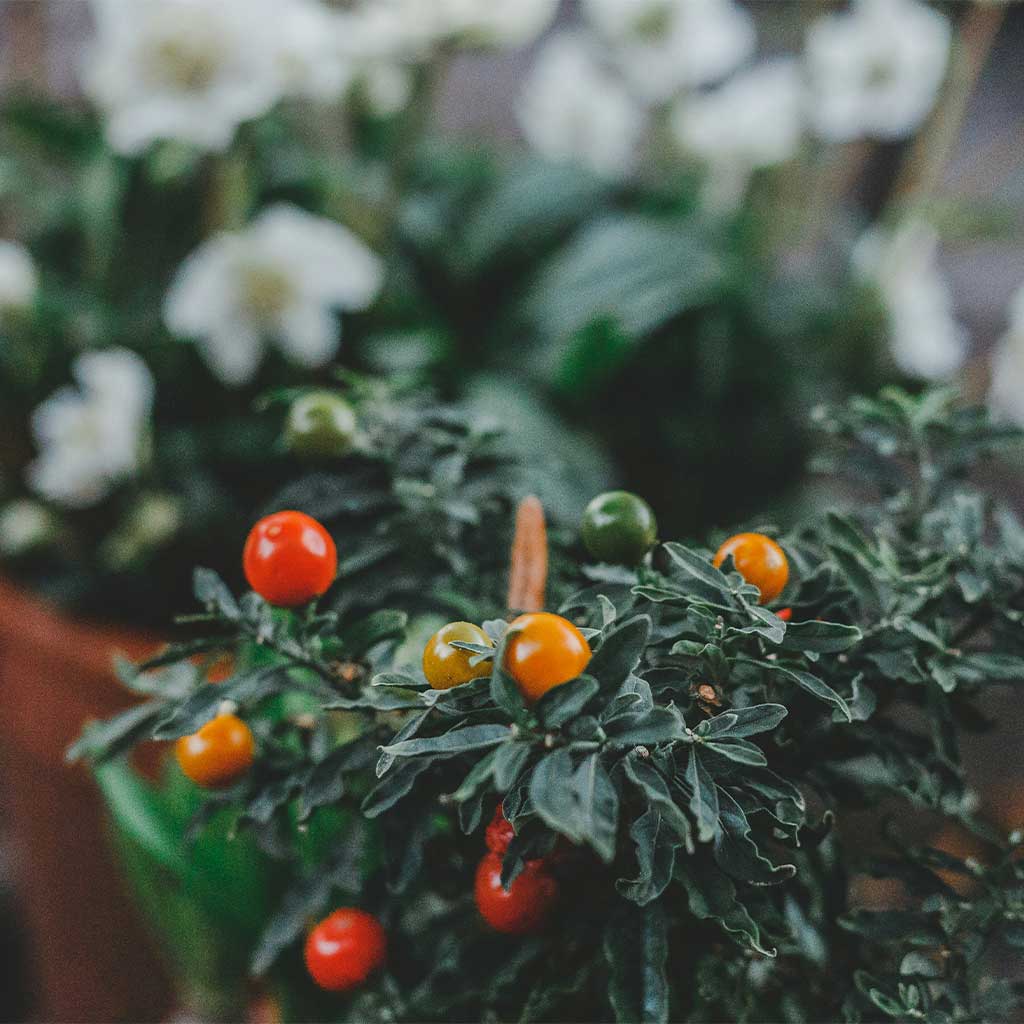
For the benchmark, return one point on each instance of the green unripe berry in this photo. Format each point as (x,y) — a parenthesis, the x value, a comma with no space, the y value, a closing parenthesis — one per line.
(320,425)
(619,527)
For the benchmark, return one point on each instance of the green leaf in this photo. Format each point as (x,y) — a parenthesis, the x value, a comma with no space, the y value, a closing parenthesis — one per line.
(636,948)
(656,857)
(742,721)
(699,568)
(325,784)
(396,785)
(195,712)
(738,750)
(563,702)
(620,652)
(213,594)
(659,725)
(703,798)
(636,270)
(581,804)
(374,629)
(812,684)
(821,637)
(737,853)
(504,690)
(102,740)
(713,897)
(451,744)
(655,788)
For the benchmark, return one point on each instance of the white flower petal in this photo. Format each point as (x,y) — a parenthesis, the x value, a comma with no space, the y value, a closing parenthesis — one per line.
(664,46)
(876,68)
(309,335)
(18,278)
(572,109)
(233,351)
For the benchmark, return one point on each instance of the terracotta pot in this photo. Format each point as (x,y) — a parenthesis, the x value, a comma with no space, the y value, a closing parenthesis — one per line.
(91,957)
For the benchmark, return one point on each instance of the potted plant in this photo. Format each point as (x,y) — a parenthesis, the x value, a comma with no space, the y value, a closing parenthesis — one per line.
(636,807)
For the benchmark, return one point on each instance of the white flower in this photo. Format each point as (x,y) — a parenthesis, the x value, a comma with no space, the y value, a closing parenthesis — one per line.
(926,339)
(24,525)
(665,46)
(573,109)
(754,120)
(188,70)
(280,278)
(311,59)
(91,438)
(1006,393)
(18,278)
(876,69)
(504,23)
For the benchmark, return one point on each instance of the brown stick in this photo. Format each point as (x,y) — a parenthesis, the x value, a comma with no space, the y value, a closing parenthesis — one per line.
(528,574)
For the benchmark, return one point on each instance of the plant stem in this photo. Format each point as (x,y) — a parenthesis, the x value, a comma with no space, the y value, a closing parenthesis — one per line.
(922,172)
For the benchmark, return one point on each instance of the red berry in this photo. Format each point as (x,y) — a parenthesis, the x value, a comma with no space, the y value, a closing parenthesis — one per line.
(785,614)
(499,832)
(289,559)
(525,906)
(343,950)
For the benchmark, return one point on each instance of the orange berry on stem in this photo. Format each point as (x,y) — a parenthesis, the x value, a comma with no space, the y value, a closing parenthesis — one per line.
(445,666)
(220,753)
(759,560)
(544,651)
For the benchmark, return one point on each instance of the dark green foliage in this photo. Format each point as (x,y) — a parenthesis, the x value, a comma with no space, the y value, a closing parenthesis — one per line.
(691,790)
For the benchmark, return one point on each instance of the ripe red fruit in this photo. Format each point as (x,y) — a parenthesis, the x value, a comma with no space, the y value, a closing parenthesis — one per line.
(499,832)
(289,559)
(525,906)
(785,614)
(344,949)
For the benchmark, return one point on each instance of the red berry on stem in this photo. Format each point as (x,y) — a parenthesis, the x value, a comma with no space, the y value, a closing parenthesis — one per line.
(289,559)
(525,906)
(344,949)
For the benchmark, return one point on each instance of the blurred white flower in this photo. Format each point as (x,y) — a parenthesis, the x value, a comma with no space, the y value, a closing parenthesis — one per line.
(876,69)
(382,42)
(926,339)
(187,70)
(281,279)
(504,23)
(311,59)
(665,46)
(574,110)
(92,437)
(18,278)
(24,525)
(1006,392)
(754,120)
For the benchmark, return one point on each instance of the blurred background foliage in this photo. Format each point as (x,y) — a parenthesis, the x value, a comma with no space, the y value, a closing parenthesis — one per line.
(642,320)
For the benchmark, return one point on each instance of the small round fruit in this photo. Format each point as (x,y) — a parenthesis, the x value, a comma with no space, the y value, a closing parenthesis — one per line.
(525,906)
(759,560)
(320,425)
(344,949)
(619,527)
(543,652)
(499,832)
(289,559)
(785,614)
(445,666)
(219,754)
